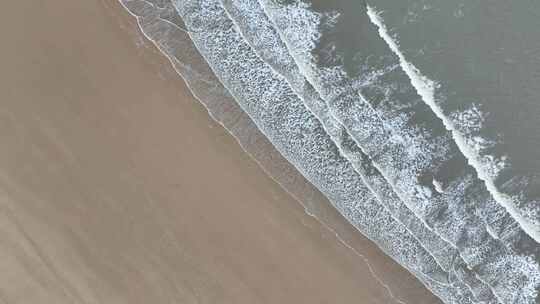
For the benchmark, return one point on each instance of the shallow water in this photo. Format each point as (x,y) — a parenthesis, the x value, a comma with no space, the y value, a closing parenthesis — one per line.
(487,76)
(377,106)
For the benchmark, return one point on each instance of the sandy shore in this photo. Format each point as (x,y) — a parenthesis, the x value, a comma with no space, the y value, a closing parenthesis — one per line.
(117,187)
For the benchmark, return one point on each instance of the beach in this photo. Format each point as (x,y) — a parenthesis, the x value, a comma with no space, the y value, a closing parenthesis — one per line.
(116,186)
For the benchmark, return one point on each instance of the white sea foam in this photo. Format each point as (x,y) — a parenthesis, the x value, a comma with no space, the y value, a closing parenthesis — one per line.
(258,31)
(487,167)
(281,115)
(172,41)
(298,134)
(459,214)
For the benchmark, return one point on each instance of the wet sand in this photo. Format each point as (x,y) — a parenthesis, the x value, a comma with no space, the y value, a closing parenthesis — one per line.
(117,187)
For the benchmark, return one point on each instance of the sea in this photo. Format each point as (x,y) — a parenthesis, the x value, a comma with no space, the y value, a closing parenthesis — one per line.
(419,120)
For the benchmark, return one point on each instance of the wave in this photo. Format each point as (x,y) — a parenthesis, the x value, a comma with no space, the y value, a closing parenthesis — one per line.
(471,123)
(161,25)
(299,136)
(260,34)
(406,141)
(347,118)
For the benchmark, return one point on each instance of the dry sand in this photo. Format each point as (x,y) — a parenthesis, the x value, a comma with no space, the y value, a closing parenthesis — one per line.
(117,187)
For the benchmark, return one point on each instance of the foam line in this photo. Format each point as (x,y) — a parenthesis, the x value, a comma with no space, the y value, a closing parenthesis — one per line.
(462,212)
(283,118)
(426,89)
(259,32)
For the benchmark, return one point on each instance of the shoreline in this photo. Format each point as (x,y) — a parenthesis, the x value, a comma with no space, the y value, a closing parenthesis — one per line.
(321,210)
(112,202)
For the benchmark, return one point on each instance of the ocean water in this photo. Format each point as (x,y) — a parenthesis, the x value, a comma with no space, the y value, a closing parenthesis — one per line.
(368,105)
(486,87)
(251,22)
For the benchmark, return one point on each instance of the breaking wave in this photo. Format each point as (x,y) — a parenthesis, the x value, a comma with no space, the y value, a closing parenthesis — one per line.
(324,86)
